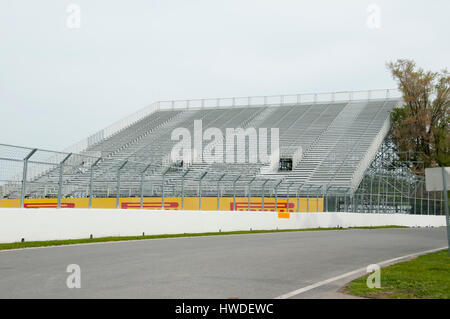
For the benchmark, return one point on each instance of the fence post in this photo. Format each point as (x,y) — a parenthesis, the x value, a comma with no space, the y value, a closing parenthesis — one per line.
(234,192)
(162,187)
(200,190)
(445,194)
(317,202)
(276,195)
(263,188)
(182,188)
(249,192)
(142,185)
(379,187)
(298,199)
(118,183)
(91,181)
(288,194)
(218,191)
(61,168)
(24,177)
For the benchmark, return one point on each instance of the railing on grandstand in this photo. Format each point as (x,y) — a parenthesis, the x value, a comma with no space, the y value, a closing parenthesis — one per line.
(270,100)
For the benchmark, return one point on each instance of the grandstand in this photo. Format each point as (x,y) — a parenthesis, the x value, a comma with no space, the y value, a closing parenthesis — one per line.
(330,141)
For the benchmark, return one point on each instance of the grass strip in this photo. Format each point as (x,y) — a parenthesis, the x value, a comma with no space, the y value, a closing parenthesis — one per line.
(25,244)
(425,277)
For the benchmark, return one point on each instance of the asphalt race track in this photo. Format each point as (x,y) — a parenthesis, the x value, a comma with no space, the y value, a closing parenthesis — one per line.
(238,266)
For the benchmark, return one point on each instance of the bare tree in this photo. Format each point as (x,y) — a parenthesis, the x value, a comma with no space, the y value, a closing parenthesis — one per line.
(420,129)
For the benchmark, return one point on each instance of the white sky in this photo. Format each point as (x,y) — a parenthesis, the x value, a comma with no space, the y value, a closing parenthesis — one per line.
(59,85)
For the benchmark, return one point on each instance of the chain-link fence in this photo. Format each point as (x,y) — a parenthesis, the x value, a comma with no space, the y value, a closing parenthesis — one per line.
(34,178)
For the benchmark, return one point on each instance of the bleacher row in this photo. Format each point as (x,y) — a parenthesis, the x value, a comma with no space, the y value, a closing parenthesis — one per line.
(336,142)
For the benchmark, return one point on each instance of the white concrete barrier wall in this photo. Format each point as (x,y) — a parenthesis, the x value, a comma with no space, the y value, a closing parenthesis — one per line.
(50,224)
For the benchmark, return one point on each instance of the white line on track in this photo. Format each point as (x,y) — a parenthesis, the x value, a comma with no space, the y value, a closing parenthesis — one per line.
(354,272)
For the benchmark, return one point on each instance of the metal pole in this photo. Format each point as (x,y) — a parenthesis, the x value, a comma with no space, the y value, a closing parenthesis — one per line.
(370,197)
(317,202)
(162,187)
(200,191)
(395,184)
(234,192)
(182,188)
(379,189)
(445,194)
(415,198)
(24,177)
(401,195)
(434,203)
(409,192)
(307,203)
(276,195)
(249,192)
(263,188)
(61,168)
(142,185)
(118,183)
(91,181)
(218,191)
(288,194)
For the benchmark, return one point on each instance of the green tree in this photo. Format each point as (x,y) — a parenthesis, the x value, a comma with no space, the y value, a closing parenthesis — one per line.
(420,128)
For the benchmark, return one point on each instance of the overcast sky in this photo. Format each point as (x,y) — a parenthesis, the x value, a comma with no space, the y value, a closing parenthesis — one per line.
(60,84)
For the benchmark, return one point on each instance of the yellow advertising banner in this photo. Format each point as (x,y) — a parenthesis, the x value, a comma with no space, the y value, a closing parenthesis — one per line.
(176,203)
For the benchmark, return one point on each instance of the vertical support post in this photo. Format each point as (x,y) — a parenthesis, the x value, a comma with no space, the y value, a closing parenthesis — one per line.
(234,192)
(200,190)
(434,203)
(276,195)
(142,185)
(395,185)
(307,202)
(91,181)
(163,194)
(182,188)
(401,195)
(445,194)
(409,192)
(24,177)
(60,181)
(415,198)
(288,195)
(118,183)
(218,191)
(317,202)
(421,200)
(263,189)
(379,193)
(370,196)
(249,192)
